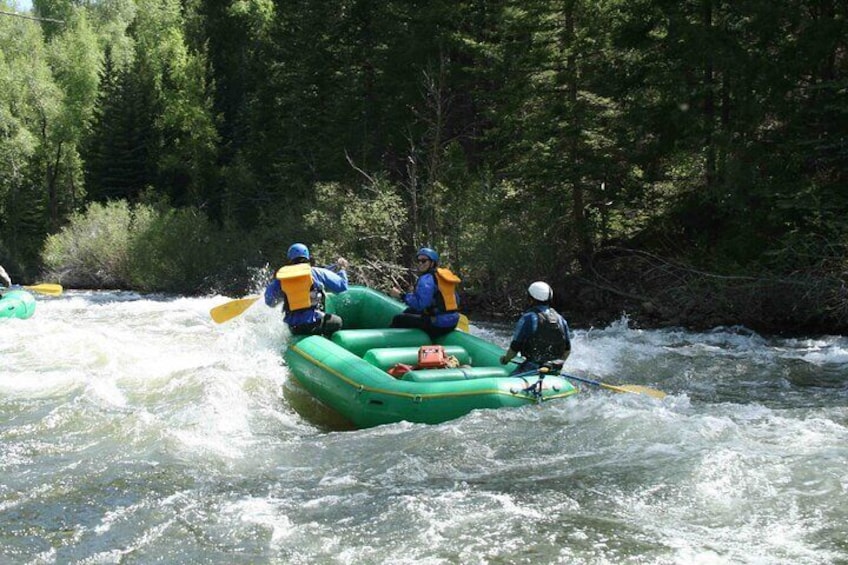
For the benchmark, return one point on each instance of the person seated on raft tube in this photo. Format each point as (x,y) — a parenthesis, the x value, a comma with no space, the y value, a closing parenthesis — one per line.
(301,286)
(541,333)
(434,304)
(4,279)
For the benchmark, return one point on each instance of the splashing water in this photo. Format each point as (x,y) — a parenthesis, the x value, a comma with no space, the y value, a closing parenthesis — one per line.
(134,429)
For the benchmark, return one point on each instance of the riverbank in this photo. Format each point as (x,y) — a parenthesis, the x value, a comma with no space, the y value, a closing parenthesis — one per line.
(651,291)
(656,293)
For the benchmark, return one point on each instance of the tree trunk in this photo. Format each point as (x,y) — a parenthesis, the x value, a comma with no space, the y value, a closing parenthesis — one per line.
(579,229)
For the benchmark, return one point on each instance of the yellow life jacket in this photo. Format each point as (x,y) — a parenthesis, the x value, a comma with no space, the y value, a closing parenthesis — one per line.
(296,282)
(447,282)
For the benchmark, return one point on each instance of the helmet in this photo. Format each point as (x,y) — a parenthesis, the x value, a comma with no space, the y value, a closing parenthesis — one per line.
(429,253)
(540,291)
(298,250)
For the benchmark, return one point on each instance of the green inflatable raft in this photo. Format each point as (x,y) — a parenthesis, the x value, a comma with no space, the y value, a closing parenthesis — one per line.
(350,371)
(16,303)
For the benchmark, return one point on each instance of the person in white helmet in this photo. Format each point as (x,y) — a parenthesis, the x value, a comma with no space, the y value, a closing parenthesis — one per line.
(541,334)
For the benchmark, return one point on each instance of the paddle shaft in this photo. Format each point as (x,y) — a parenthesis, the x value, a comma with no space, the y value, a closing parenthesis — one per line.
(634,389)
(593,383)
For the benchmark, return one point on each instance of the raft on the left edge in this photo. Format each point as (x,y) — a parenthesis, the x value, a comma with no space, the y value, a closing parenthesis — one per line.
(349,371)
(16,303)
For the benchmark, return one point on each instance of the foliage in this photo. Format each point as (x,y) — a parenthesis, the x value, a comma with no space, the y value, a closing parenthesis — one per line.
(524,139)
(149,247)
(368,225)
(92,250)
(30,99)
(180,250)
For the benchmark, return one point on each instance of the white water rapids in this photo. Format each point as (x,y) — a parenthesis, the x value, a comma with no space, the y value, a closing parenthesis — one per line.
(135,430)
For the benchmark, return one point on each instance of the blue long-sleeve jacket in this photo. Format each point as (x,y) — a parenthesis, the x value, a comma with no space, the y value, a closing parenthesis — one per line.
(425,298)
(325,278)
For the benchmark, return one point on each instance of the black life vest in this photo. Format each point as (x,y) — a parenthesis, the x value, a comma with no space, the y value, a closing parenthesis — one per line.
(549,342)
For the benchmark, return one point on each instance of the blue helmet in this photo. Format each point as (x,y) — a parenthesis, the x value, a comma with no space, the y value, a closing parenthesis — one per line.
(298,250)
(429,253)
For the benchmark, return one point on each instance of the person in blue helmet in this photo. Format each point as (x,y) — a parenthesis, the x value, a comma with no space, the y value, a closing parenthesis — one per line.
(541,333)
(301,287)
(433,306)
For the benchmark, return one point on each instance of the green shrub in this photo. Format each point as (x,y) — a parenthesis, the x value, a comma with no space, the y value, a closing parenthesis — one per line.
(147,247)
(92,249)
(179,251)
(367,225)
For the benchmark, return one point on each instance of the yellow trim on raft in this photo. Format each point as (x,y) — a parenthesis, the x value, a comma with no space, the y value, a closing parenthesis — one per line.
(363,388)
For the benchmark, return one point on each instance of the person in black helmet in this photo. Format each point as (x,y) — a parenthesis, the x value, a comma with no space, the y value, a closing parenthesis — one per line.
(434,304)
(541,334)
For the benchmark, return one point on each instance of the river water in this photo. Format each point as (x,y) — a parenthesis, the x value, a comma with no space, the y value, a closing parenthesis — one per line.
(135,430)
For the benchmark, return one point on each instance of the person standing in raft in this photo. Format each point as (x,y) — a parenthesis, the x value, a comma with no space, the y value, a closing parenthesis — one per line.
(541,333)
(301,287)
(434,304)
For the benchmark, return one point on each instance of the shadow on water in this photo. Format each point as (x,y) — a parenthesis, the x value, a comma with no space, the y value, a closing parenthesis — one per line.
(826,375)
(313,410)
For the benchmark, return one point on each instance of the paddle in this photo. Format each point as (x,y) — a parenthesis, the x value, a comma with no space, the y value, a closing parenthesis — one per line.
(463,324)
(635,389)
(46,288)
(231,309)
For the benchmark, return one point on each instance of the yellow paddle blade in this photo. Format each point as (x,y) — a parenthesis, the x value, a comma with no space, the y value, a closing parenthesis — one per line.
(462,325)
(636,389)
(46,288)
(231,309)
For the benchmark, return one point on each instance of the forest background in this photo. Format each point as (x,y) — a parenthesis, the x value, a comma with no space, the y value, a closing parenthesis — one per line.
(683,162)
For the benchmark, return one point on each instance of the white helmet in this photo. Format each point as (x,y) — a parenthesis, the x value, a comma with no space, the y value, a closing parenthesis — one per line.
(540,291)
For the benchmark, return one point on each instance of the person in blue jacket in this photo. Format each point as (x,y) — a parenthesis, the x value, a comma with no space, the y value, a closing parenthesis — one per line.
(434,304)
(541,333)
(301,287)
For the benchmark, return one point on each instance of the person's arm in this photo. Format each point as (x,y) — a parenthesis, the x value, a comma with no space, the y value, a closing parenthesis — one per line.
(273,293)
(508,356)
(5,276)
(422,298)
(334,282)
(523,330)
(564,325)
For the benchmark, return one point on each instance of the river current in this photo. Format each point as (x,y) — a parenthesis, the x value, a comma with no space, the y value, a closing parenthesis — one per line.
(133,429)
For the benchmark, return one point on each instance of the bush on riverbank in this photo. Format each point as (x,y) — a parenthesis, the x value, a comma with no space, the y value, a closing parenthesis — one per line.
(147,248)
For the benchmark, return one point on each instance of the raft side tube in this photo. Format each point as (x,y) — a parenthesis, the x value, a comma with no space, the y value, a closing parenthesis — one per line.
(387,357)
(457,374)
(360,341)
(364,308)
